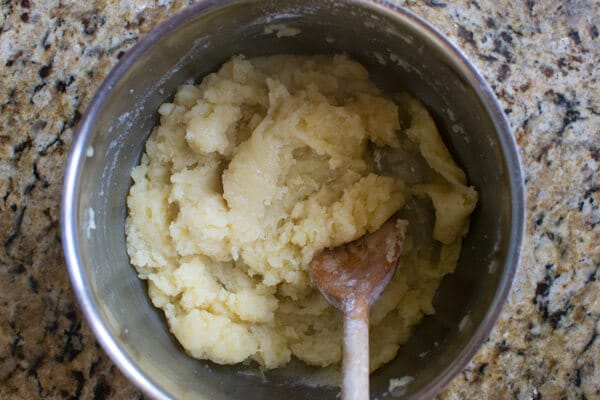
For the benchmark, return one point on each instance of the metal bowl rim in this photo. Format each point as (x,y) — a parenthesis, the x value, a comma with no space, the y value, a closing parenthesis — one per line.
(72,176)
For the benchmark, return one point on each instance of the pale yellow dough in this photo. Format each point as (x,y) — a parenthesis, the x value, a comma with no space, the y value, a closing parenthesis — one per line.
(265,163)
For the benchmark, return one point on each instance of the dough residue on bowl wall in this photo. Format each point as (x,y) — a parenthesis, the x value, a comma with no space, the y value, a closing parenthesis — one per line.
(267,162)
(281,30)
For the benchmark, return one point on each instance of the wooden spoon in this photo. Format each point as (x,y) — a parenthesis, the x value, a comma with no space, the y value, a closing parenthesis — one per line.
(352,277)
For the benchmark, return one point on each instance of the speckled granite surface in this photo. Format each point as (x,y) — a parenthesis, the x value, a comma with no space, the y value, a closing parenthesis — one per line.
(543,61)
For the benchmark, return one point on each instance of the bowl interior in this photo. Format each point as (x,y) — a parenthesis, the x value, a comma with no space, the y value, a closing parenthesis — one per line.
(112,136)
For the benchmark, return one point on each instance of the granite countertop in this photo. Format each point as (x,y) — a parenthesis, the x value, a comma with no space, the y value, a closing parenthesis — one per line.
(542,59)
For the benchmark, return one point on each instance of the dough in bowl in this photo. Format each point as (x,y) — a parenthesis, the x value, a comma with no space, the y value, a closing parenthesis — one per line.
(262,165)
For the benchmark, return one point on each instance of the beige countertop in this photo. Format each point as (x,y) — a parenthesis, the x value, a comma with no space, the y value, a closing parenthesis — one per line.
(542,58)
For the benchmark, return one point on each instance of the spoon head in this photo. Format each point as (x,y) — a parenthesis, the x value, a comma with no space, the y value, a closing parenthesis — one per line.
(357,272)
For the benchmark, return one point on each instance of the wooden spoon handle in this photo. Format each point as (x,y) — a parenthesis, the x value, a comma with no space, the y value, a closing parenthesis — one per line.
(355,363)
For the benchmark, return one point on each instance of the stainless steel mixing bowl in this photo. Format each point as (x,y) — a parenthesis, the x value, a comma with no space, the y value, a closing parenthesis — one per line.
(402,52)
